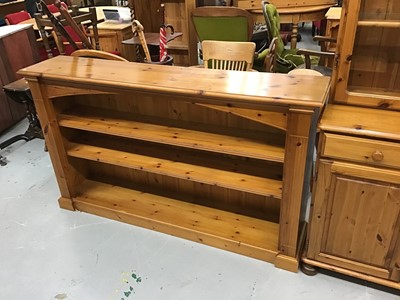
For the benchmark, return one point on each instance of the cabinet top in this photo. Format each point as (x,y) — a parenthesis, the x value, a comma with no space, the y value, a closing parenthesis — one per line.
(361,121)
(251,88)
(11,29)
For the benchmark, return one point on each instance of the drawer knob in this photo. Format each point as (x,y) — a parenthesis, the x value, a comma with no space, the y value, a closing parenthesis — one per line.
(377,155)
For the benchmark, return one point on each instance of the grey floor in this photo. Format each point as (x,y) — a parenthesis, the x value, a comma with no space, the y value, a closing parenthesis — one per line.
(49,253)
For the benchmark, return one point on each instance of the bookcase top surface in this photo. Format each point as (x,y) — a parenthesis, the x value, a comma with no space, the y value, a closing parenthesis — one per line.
(249,87)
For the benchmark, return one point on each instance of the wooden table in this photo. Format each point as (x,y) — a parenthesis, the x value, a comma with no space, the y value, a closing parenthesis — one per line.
(32,21)
(15,6)
(112,34)
(294,16)
(152,40)
(218,157)
(290,12)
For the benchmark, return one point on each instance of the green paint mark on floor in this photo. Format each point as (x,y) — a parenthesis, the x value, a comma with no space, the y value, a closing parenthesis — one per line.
(130,290)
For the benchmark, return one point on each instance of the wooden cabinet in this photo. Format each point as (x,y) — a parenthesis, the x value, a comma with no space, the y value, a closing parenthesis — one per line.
(368,70)
(17,50)
(217,157)
(111,36)
(355,218)
(356,224)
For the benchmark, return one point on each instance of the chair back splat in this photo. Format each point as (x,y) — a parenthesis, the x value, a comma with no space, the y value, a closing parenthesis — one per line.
(224,55)
(223,23)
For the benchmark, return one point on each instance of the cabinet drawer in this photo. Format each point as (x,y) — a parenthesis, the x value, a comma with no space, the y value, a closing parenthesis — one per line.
(361,150)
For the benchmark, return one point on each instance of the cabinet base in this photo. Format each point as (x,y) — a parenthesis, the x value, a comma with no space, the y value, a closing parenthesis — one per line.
(381,281)
(66,203)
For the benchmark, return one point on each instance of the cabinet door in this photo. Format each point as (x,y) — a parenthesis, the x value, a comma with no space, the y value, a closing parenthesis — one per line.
(368,71)
(355,219)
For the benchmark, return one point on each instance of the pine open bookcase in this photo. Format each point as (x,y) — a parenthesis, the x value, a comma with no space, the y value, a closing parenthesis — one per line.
(217,157)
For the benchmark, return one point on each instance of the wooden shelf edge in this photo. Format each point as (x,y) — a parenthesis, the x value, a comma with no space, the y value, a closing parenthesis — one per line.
(174,136)
(379,23)
(156,220)
(231,180)
(385,282)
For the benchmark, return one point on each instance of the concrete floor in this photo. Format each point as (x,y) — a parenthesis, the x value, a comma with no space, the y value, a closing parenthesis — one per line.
(49,253)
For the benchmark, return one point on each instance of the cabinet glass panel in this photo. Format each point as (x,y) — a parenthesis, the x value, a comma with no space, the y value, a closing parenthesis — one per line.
(380,10)
(375,59)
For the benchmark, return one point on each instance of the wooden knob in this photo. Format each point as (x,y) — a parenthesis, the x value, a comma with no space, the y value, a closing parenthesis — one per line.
(377,155)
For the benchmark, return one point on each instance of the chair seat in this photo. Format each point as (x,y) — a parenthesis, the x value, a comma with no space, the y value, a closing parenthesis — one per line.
(325,71)
(305,72)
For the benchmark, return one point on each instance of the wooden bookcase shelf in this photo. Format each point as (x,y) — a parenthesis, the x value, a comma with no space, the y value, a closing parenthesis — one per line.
(174,169)
(237,233)
(101,122)
(169,149)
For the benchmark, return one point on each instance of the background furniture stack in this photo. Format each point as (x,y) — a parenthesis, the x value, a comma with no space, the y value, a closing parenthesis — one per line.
(177,13)
(290,12)
(355,218)
(17,50)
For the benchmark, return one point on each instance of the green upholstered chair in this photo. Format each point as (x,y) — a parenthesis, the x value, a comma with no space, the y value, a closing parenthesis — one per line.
(226,23)
(289,59)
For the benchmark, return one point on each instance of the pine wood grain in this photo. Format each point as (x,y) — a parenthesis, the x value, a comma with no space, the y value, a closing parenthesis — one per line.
(223,87)
(365,122)
(174,136)
(230,180)
(375,152)
(236,233)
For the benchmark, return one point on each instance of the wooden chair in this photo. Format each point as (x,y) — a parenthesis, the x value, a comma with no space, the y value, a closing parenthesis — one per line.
(222,23)
(222,55)
(270,58)
(68,33)
(97,54)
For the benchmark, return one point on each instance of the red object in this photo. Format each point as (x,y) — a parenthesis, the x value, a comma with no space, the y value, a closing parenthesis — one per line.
(17,17)
(163,43)
(163,34)
(74,36)
(54,9)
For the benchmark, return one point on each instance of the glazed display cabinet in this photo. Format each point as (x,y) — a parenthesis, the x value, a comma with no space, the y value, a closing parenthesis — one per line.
(355,215)
(368,70)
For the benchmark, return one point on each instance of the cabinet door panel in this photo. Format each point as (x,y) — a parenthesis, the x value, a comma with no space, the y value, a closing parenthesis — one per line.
(379,10)
(355,219)
(362,214)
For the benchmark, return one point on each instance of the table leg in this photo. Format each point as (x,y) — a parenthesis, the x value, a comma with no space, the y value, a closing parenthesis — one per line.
(293,40)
